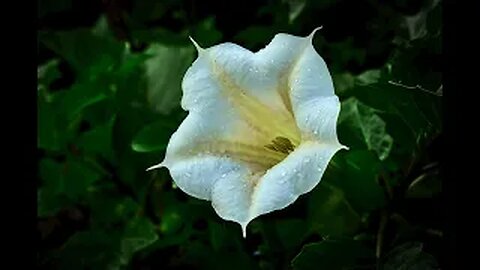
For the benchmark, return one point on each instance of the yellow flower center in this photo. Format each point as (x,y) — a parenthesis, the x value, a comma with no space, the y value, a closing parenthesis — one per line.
(275,133)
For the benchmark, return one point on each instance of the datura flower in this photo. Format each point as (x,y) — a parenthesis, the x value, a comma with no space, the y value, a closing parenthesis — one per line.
(261,127)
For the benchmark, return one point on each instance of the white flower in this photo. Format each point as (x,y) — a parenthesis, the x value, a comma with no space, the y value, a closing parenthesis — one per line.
(261,127)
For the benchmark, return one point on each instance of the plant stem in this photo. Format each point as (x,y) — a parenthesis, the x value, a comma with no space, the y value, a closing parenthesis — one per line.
(380,234)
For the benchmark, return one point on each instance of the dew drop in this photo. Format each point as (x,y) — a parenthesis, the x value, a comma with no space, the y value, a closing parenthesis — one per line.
(284,173)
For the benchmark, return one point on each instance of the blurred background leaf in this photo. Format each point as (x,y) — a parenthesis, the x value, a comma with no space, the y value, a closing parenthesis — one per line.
(332,254)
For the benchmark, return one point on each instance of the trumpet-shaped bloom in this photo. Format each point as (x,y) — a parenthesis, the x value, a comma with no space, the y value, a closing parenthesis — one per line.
(261,127)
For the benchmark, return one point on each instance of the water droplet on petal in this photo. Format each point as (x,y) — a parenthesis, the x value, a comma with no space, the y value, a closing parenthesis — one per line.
(284,173)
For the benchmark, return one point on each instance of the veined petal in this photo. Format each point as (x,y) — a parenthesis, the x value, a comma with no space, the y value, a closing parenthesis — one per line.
(232,194)
(317,119)
(206,146)
(206,170)
(297,174)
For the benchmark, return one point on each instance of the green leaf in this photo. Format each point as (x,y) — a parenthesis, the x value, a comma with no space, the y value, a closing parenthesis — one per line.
(139,233)
(206,33)
(419,110)
(426,185)
(409,256)
(89,54)
(291,232)
(355,173)
(49,136)
(200,256)
(131,165)
(368,77)
(417,24)
(343,82)
(64,182)
(330,213)
(112,249)
(359,120)
(164,73)
(219,235)
(153,137)
(98,141)
(161,35)
(296,7)
(94,249)
(109,208)
(48,73)
(172,219)
(333,255)
(48,202)
(79,97)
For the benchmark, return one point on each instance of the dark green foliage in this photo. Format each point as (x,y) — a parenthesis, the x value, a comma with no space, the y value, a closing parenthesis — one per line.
(109,91)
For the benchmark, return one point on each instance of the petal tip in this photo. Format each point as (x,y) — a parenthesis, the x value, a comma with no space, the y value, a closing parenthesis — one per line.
(160,165)
(244,229)
(310,37)
(199,49)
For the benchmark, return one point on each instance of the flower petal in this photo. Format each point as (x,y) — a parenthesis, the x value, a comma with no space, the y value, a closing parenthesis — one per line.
(317,119)
(196,176)
(225,71)
(232,194)
(298,174)
(315,105)
(207,146)
(310,90)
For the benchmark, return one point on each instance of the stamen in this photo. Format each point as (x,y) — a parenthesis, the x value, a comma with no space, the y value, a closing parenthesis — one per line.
(281,144)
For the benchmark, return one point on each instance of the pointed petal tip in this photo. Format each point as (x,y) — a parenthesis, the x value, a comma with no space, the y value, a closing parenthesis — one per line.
(244,229)
(344,147)
(199,49)
(310,37)
(160,165)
